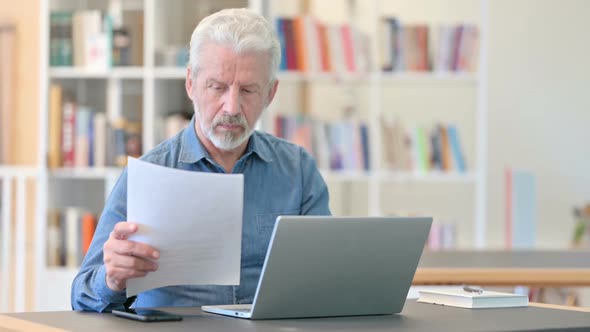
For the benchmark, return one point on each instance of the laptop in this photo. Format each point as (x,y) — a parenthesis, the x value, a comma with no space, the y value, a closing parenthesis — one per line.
(335,266)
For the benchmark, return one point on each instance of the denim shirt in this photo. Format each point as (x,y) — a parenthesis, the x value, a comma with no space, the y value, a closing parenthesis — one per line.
(280,178)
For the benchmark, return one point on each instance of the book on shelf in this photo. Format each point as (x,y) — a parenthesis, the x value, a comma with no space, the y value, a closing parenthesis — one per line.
(421,149)
(91,39)
(69,234)
(121,47)
(442,236)
(397,145)
(60,39)
(421,48)
(127,38)
(443,230)
(80,136)
(309,45)
(474,299)
(520,209)
(87,38)
(174,122)
(340,145)
(133,23)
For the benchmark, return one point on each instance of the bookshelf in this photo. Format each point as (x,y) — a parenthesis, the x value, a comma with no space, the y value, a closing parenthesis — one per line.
(151,86)
(445,96)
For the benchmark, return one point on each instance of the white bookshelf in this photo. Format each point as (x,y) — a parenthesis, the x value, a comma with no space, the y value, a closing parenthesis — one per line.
(333,78)
(85,173)
(435,77)
(376,100)
(429,177)
(175,73)
(401,177)
(83,73)
(161,89)
(14,204)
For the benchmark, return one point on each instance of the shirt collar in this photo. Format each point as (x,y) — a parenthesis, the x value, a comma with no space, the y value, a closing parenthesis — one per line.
(192,150)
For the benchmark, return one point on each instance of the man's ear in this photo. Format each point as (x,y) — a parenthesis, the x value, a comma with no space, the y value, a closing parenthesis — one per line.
(189,83)
(272,92)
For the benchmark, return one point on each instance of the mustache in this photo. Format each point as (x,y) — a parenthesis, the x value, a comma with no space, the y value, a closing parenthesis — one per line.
(231,120)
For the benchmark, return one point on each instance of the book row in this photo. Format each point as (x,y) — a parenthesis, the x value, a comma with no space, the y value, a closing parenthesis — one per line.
(69,234)
(345,145)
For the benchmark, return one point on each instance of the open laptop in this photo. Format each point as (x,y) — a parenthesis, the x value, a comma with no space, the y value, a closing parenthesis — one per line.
(332,266)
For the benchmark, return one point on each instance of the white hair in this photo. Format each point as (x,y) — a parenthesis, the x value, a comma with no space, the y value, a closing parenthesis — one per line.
(238,28)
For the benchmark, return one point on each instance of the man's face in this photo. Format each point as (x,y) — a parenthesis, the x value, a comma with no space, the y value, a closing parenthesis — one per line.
(229,94)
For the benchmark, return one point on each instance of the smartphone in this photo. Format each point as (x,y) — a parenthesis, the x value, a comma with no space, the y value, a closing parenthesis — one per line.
(147,315)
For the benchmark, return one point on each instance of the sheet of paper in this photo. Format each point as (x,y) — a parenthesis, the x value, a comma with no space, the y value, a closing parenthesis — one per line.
(194,219)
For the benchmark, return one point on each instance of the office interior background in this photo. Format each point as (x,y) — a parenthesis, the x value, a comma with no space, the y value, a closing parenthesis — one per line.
(474,112)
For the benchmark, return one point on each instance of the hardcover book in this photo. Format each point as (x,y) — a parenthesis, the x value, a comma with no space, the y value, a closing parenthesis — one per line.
(464,299)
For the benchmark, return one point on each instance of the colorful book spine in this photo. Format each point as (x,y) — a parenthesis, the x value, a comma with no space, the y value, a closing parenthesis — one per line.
(69,134)
(280,26)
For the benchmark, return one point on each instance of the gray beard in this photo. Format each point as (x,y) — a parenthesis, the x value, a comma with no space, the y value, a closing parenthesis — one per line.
(227,141)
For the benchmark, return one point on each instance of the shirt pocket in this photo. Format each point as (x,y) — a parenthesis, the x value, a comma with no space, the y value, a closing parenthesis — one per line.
(266,221)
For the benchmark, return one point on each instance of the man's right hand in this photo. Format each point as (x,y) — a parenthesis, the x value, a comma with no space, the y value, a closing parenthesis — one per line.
(125,259)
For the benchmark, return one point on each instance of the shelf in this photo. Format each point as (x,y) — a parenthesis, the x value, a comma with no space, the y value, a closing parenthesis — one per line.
(62,270)
(418,77)
(287,76)
(18,171)
(85,173)
(344,176)
(425,77)
(328,77)
(391,176)
(178,73)
(81,72)
(429,177)
(57,296)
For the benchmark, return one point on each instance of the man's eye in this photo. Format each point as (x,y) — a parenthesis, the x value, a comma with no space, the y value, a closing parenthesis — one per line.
(247,91)
(217,88)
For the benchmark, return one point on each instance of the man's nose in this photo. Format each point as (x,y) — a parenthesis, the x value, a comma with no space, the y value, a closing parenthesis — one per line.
(232,102)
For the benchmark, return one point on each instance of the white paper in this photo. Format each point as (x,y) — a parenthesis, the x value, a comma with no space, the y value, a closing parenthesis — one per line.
(193,219)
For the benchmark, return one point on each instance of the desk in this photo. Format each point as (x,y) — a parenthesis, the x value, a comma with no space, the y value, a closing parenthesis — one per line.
(505,268)
(415,317)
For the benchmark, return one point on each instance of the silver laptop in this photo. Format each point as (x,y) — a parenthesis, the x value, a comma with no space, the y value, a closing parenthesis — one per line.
(332,266)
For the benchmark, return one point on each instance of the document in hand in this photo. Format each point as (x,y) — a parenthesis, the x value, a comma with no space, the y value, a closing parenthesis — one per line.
(193,219)
(463,299)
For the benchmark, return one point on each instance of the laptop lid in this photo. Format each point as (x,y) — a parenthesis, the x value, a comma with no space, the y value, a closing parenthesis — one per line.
(339,266)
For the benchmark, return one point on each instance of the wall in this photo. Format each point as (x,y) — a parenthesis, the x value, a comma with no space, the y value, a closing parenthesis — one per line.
(25,15)
(539,110)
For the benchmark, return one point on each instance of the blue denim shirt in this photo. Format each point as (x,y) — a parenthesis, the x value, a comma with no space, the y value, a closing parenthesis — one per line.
(280,178)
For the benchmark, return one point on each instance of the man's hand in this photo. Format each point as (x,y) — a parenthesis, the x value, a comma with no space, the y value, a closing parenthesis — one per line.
(124,259)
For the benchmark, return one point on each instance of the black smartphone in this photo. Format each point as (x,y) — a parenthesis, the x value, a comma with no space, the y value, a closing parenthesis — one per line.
(147,315)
